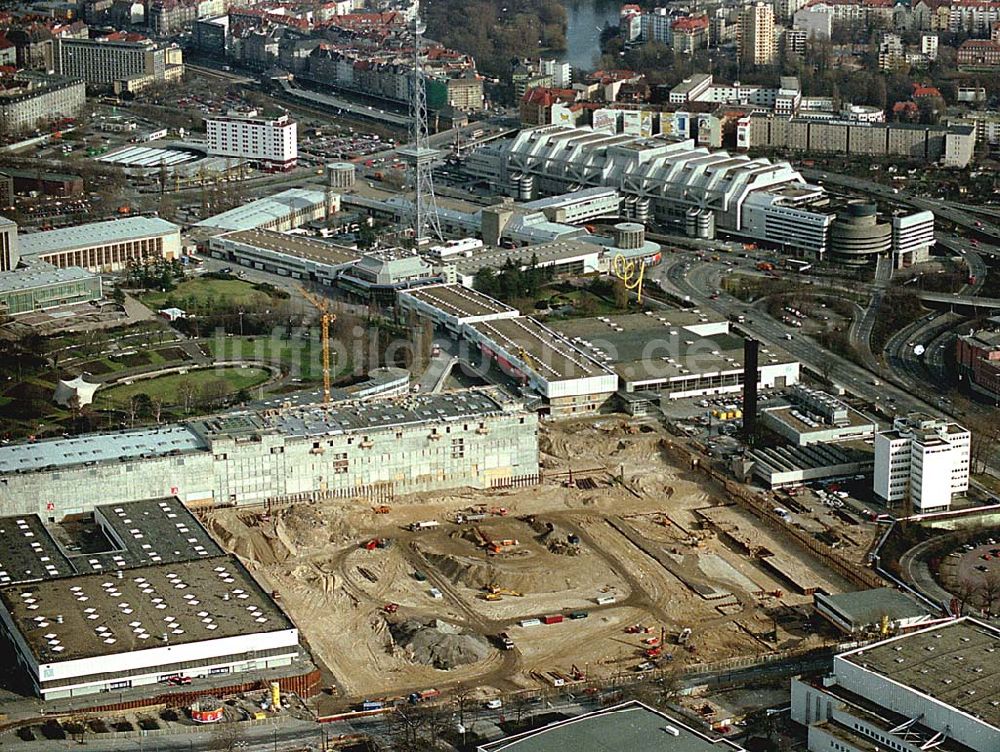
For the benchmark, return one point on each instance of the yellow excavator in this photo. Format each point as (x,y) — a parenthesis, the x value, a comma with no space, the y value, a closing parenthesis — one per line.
(497,590)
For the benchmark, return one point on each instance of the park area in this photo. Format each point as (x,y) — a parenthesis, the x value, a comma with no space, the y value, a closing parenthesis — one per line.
(186,389)
(204,294)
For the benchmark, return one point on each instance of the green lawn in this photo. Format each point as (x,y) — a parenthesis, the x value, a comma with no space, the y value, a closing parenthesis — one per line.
(301,359)
(204,293)
(168,387)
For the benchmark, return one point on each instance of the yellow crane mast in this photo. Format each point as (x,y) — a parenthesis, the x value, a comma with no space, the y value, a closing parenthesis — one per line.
(326,318)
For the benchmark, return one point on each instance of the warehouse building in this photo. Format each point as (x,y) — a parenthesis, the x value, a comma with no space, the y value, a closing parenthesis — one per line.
(93,633)
(283,211)
(674,354)
(119,536)
(105,246)
(931,689)
(41,286)
(478,438)
(631,726)
(784,466)
(876,610)
(293,256)
(570,381)
(451,307)
(132,594)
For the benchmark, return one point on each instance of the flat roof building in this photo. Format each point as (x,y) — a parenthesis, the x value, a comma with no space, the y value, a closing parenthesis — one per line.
(270,142)
(814,417)
(41,286)
(630,726)
(872,610)
(922,460)
(676,354)
(105,246)
(930,689)
(94,633)
(30,99)
(293,256)
(283,211)
(354,449)
(453,306)
(570,380)
(783,466)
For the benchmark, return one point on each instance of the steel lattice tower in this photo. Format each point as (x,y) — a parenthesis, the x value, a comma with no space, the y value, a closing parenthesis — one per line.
(418,153)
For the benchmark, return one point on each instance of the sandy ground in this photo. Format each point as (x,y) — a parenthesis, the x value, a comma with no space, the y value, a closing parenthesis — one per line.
(631,529)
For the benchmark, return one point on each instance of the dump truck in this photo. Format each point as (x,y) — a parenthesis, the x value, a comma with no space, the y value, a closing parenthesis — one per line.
(424,525)
(427,694)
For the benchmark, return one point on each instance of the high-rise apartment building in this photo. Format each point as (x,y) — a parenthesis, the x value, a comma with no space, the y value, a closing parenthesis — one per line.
(923,460)
(755,35)
(118,61)
(272,143)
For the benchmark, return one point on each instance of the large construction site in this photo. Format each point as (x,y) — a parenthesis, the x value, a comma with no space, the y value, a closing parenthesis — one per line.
(623,559)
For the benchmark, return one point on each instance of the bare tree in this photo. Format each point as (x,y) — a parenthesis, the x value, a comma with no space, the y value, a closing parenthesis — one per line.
(186,392)
(156,403)
(226,736)
(990,590)
(966,591)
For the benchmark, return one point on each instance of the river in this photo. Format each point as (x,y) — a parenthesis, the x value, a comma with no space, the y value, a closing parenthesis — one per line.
(584,21)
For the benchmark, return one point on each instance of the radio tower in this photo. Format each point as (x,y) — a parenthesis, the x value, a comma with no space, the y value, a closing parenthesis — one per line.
(418,153)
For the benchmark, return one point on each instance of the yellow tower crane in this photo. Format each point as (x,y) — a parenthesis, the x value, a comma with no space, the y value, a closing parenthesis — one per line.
(326,318)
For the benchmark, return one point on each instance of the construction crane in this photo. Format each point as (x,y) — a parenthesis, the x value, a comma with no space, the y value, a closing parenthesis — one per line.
(326,318)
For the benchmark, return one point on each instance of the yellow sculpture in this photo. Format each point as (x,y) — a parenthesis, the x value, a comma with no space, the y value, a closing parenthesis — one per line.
(625,270)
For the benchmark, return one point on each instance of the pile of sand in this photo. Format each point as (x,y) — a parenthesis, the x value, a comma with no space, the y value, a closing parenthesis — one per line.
(249,543)
(439,644)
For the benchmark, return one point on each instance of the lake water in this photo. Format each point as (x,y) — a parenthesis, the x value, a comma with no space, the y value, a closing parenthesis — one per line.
(584,21)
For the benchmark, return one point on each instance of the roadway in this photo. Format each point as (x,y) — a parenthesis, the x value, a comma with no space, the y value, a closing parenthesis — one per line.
(698,287)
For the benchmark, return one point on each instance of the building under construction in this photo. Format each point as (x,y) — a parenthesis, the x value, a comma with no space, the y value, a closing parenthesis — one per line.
(354,449)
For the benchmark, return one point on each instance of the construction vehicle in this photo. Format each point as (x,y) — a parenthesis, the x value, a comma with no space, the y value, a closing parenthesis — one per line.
(383,509)
(765,266)
(326,318)
(505,641)
(390,608)
(577,674)
(652,652)
(684,636)
(492,597)
(499,511)
(426,525)
(634,629)
(497,590)
(427,694)
(492,547)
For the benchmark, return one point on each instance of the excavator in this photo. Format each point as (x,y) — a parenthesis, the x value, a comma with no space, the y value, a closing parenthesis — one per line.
(494,592)
(497,590)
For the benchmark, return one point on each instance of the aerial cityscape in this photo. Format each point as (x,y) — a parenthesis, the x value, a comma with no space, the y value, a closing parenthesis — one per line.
(500,375)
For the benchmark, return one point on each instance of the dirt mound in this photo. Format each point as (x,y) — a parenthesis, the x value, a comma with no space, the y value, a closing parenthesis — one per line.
(307,526)
(477,575)
(439,644)
(249,543)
